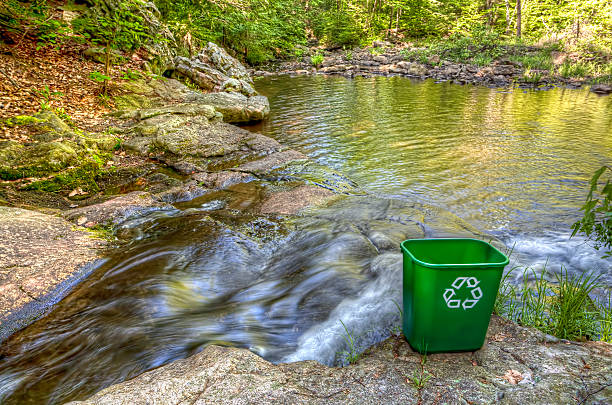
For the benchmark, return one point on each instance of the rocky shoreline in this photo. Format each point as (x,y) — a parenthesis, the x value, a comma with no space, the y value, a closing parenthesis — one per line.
(387,60)
(175,145)
(516,366)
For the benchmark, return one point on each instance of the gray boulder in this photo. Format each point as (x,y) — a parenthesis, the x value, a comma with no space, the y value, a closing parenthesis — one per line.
(215,70)
(236,107)
(601,89)
(215,56)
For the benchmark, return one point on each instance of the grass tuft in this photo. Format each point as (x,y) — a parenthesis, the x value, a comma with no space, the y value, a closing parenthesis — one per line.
(352,354)
(562,307)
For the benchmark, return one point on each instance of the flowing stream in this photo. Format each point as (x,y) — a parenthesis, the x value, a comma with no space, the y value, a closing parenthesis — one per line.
(514,164)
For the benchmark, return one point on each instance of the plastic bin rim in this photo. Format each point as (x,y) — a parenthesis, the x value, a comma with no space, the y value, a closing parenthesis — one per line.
(453,265)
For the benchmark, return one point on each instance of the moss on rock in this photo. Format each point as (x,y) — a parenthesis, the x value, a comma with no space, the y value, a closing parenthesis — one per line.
(84,177)
(56,147)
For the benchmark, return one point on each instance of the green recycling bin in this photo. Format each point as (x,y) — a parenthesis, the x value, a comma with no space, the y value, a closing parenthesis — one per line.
(450,286)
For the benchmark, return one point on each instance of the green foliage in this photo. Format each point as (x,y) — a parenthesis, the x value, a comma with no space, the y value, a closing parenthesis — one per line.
(47,96)
(51,32)
(596,224)
(530,76)
(480,46)
(573,314)
(104,232)
(104,100)
(34,19)
(397,329)
(64,116)
(562,308)
(569,69)
(533,60)
(83,177)
(131,75)
(119,26)
(420,377)
(316,60)
(604,306)
(298,53)
(256,30)
(118,144)
(352,354)
(98,76)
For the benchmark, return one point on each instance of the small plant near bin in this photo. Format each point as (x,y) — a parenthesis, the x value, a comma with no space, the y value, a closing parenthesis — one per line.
(352,354)
(420,377)
(397,329)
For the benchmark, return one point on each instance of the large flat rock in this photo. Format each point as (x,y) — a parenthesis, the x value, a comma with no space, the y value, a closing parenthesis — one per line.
(41,257)
(516,366)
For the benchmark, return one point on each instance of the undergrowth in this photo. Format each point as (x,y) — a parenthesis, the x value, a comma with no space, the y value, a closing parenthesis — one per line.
(562,306)
(482,49)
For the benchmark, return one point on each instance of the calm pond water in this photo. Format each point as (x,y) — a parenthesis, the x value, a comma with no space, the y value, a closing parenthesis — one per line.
(513,163)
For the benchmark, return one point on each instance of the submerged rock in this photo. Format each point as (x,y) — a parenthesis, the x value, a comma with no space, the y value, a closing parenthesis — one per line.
(292,201)
(116,210)
(222,179)
(601,89)
(514,366)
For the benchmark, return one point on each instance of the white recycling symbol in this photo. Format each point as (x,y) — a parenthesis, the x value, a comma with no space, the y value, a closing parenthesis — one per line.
(472,284)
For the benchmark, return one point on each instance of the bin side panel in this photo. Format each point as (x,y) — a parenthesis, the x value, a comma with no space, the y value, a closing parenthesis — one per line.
(408,289)
(449,308)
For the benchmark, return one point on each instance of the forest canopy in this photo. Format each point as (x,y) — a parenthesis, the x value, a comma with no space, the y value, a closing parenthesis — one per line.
(262,30)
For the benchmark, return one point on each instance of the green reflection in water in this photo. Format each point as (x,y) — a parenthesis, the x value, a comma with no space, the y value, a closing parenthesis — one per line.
(501,159)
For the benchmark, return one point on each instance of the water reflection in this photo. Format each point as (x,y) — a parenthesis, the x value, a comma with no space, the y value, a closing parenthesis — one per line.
(514,161)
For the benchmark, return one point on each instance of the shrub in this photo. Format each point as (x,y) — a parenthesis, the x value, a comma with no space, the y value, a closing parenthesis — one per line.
(316,60)
(596,224)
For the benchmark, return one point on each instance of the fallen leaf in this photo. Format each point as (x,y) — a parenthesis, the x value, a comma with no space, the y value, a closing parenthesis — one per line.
(513,377)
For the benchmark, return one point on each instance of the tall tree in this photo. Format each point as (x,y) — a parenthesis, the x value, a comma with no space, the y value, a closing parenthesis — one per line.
(518,18)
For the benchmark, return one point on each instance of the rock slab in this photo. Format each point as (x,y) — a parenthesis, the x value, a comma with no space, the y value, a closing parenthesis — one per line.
(41,257)
(516,366)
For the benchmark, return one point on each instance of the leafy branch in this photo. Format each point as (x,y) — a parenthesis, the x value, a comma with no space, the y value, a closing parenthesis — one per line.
(596,224)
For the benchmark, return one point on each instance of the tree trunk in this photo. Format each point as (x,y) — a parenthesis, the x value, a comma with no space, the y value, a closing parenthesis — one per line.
(488,5)
(518,18)
(577,27)
(390,21)
(508,19)
(399,12)
(106,68)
